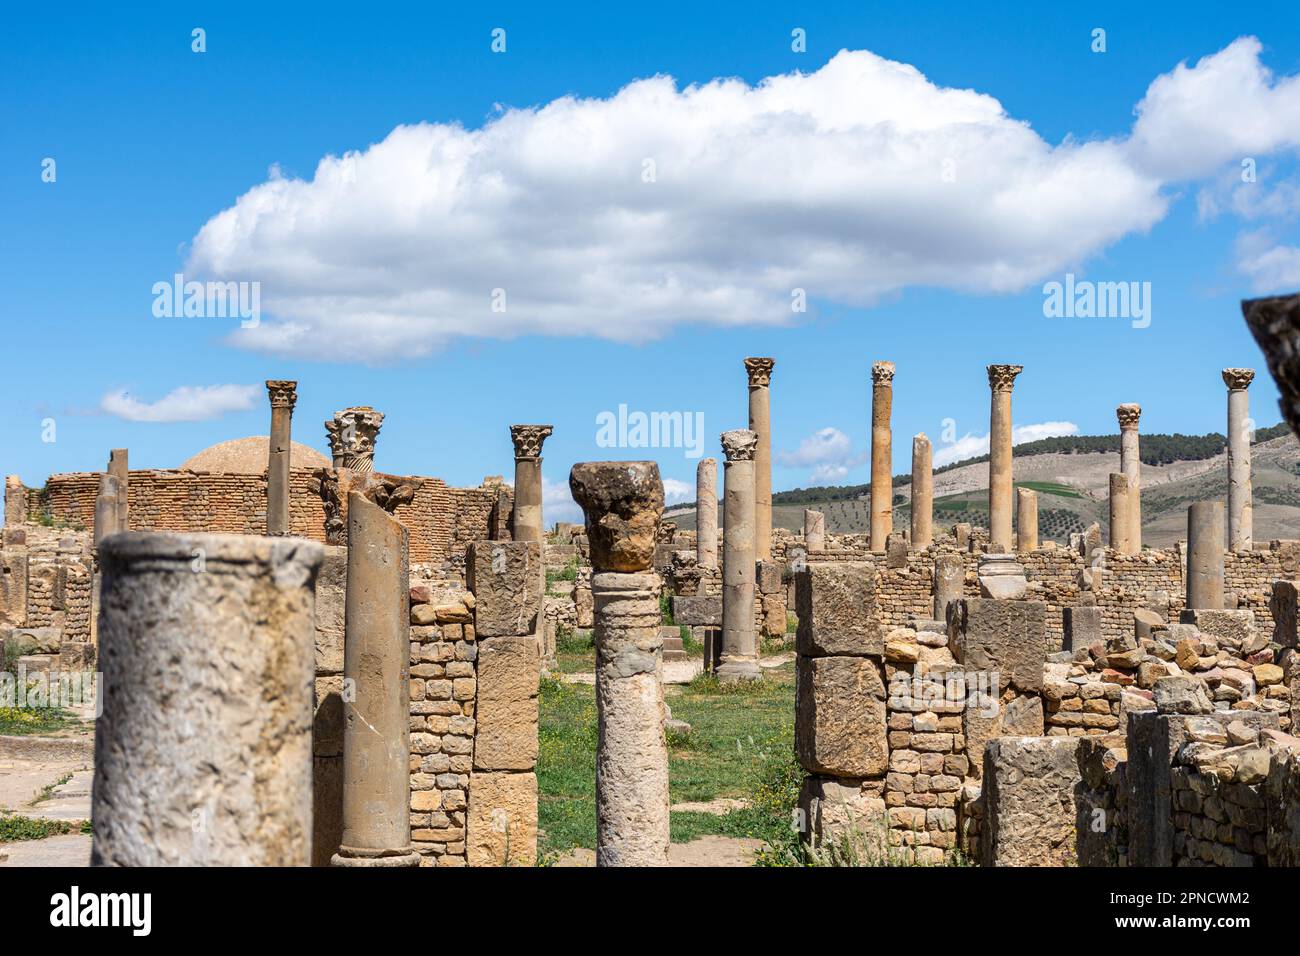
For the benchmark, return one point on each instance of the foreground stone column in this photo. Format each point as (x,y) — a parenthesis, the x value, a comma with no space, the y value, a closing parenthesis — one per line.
(1120,523)
(1240,522)
(949,580)
(623,503)
(922,492)
(117,467)
(528,441)
(376,666)
(739,641)
(1002,378)
(284,395)
(357,430)
(706,513)
(203,754)
(1130,464)
(1275,323)
(882,479)
(814,530)
(1205,556)
(760,422)
(1026,520)
(106,504)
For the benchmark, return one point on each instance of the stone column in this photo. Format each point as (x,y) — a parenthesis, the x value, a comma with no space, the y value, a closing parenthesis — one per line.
(284,395)
(706,513)
(1240,531)
(1120,523)
(354,436)
(882,479)
(1130,463)
(117,467)
(15,502)
(1001,380)
(739,640)
(203,753)
(376,666)
(623,503)
(528,441)
(106,505)
(814,530)
(949,581)
(1026,520)
(760,422)
(922,492)
(1205,556)
(334,434)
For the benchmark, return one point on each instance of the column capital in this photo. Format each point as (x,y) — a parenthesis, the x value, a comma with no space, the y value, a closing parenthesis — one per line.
(334,432)
(357,430)
(882,373)
(1128,414)
(740,444)
(1003,377)
(622,502)
(283,393)
(759,371)
(1238,378)
(528,440)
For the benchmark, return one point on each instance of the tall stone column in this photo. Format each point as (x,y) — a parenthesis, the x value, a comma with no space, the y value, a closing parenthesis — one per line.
(203,753)
(922,492)
(1240,524)
(949,580)
(528,441)
(882,479)
(117,467)
(15,502)
(355,434)
(1026,520)
(760,422)
(1205,556)
(334,433)
(106,504)
(706,513)
(376,666)
(1130,464)
(284,395)
(814,530)
(1121,524)
(1001,380)
(739,639)
(623,503)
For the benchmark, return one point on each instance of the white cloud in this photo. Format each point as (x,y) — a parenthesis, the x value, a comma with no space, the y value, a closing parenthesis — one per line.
(971,446)
(677,491)
(558,503)
(1271,266)
(188,403)
(828,452)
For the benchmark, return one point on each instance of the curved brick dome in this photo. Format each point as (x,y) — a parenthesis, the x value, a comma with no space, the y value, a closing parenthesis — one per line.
(247,456)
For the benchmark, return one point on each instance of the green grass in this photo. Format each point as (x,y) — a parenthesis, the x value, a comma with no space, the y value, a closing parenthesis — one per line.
(574,651)
(1050,488)
(13,828)
(23,721)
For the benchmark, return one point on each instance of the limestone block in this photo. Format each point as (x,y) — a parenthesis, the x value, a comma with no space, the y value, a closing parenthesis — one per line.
(840,717)
(506,580)
(36,640)
(1282,605)
(1229,627)
(1183,694)
(698,610)
(501,826)
(1082,626)
(331,601)
(13,587)
(1029,808)
(838,608)
(834,810)
(1006,637)
(509,670)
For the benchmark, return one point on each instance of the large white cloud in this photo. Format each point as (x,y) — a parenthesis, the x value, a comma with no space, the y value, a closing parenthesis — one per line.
(970,446)
(850,183)
(188,403)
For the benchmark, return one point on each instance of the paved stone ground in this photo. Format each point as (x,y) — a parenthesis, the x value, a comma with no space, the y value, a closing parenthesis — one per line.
(72,849)
(52,786)
(702,851)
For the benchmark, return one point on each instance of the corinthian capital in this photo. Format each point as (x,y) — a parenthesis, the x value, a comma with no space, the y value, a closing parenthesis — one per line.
(1236,378)
(528,439)
(1128,414)
(882,373)
(1003,377)
(740,444)
(283,393)
(759,370)
(356,430)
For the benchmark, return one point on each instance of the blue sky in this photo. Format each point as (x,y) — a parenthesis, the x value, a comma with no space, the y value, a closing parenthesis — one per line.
(651,298)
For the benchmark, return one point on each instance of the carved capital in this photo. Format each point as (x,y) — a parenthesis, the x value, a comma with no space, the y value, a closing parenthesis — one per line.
(1003,377)
(355,432)
(740,444)
(759,371)
(528,440)
(1236,378)
(283,393)
(882,373)
(1128,414)
(623,502)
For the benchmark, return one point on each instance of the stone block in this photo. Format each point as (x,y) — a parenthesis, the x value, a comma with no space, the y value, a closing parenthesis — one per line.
(698,610)
(1029,801)
(838,609)
(13,588)
(1227,627)
(836,810)
(506,580)
(1082,626)
(840,717)
(35,640)
(501,825)
(1282,604)
(767,576)
(1006,637)
(331,603)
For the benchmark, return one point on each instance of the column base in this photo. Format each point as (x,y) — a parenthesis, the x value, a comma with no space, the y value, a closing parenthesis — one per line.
(735,669)
(388,859)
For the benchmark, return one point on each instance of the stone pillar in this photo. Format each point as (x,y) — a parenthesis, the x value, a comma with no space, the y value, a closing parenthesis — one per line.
(353,438)
(1240,531)
(284,395)
(106,505)
(949,581)
(739,641)
(1130,463)
(706,513)
(882,478)
(1026,520)
(760,422)
(376,666)
(1205,556)
(1120,524)
(203,753)
(623,503)
(1001,380)
(922,492)
(117,467)
(814,530)
(528,441)
(15,502)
